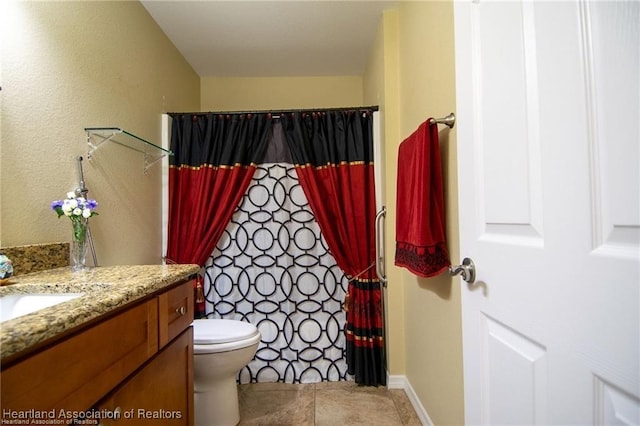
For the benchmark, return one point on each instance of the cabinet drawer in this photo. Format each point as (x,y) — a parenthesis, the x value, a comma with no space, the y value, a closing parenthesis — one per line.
(175,311)
(77,372)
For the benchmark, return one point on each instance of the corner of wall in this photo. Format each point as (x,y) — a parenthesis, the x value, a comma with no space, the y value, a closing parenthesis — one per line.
(380,87)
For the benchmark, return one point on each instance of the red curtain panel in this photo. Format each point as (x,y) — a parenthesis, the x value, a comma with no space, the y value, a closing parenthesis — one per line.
(215,156)
(333,155)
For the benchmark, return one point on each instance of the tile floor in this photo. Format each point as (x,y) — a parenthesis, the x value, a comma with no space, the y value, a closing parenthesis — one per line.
(324,404)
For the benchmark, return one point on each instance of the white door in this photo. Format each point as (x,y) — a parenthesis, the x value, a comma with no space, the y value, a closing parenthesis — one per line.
(548,107)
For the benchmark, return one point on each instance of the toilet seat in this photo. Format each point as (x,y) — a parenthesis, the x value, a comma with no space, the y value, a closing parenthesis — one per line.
(221,335)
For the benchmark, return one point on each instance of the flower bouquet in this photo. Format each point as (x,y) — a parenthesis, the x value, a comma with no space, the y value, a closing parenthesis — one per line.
(79,210)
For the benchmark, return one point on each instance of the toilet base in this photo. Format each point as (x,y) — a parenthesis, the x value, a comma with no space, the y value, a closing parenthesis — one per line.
(219,403)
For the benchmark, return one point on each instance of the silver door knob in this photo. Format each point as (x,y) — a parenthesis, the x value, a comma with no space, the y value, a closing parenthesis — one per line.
(467,270)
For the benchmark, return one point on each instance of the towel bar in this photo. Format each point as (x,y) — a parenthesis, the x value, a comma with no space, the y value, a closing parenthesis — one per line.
(449,120)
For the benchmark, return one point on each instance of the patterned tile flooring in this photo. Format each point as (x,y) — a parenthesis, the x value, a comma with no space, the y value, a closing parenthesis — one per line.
(324,404)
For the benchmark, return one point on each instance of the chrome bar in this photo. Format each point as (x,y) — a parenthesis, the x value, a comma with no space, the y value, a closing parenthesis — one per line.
(83,191)
(380,242)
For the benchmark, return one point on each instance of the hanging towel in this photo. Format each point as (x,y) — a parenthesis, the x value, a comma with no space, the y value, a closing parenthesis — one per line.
(420,216)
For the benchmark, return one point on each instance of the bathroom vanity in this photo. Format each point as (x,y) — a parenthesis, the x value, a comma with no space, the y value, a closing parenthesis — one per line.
(119,353)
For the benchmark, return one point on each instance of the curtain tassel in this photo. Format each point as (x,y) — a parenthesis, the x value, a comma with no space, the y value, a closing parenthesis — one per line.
(199,290)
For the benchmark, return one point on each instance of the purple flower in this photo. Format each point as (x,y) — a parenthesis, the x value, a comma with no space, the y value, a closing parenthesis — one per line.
(92,204)
(56,204)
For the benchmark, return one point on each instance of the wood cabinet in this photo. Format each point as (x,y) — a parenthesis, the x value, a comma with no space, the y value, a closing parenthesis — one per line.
(175,310)
(156,394)
(75,373)
(141,358)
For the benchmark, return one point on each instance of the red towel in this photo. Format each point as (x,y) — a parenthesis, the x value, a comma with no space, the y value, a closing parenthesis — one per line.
(420,215)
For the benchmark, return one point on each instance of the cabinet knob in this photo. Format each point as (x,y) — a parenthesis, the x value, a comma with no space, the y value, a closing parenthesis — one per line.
(117,412)
(181,310)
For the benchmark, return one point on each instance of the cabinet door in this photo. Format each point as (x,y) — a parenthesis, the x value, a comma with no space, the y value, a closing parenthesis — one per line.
(175,311)
(160,393)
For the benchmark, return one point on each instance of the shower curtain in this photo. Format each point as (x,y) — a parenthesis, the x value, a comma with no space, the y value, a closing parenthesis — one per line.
(332,150)
(273,269)
(333,153)
(214,160)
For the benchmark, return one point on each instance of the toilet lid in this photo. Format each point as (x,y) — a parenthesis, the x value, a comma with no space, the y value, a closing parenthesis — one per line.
(215,331)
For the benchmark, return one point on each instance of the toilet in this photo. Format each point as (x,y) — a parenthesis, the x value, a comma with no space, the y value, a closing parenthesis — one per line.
(221,349)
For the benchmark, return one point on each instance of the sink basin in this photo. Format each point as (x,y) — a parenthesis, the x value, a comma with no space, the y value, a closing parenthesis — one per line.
(16,305)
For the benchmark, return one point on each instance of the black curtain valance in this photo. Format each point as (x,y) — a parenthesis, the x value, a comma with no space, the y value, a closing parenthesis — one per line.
(242,137)
(321,139)
(218,140)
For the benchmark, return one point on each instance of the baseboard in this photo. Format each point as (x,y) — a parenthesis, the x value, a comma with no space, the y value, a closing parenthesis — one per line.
(401,382)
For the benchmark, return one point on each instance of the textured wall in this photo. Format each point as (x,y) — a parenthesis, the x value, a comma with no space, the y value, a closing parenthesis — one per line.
(265,93)
(70,65)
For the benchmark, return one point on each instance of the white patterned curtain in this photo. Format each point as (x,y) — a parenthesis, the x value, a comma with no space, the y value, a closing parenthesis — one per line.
(273,269)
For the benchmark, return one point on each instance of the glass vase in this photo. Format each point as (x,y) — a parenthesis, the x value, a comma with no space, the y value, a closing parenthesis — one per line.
(79,244)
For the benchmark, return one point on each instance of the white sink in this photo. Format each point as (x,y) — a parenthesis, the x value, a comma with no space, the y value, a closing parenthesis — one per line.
(16,305)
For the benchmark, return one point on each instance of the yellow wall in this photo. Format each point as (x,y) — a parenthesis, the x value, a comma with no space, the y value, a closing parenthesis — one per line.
(411,75)
(66,66)
(381,88)
(432,306)
(272,93)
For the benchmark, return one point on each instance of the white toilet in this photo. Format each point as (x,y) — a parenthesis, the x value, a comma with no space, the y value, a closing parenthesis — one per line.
(221,349)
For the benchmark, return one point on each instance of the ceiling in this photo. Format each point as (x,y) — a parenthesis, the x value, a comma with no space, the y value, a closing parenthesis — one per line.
(271,38)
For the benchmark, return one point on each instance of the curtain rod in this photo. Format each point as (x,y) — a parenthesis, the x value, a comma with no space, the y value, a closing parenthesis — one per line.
(282,111)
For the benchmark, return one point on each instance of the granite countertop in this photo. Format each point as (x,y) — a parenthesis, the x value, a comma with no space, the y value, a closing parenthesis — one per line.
(105,288)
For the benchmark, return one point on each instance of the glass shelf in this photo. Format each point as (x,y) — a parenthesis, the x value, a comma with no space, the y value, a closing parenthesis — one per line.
(97,136)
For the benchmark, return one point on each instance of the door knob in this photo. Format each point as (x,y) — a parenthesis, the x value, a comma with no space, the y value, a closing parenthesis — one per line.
(467,270)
